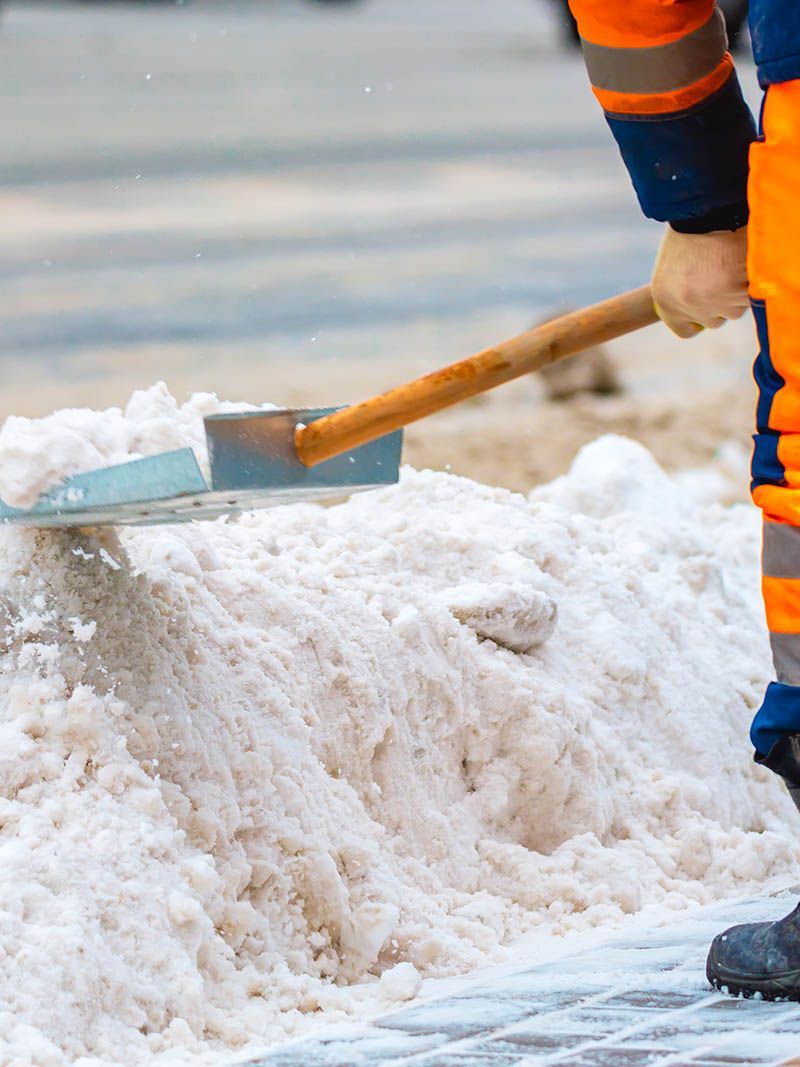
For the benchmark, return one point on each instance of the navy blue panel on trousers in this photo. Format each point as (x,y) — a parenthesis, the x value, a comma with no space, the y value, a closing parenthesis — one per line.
(766,468)
(778,715)
(767,378)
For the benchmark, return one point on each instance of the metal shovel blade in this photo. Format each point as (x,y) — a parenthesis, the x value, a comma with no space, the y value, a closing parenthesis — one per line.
(253,465)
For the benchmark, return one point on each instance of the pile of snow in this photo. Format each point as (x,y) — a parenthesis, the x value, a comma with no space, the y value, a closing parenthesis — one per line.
(36,454)
(247,768)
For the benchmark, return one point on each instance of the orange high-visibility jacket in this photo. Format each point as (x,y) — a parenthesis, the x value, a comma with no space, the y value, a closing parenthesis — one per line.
(666,81)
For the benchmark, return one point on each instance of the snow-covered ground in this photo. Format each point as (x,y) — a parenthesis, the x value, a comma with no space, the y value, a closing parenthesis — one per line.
(270,772)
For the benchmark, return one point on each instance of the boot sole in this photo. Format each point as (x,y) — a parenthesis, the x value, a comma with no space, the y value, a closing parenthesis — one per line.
(784,986)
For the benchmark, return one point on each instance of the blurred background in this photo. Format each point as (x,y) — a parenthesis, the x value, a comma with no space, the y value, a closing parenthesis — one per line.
(302,201)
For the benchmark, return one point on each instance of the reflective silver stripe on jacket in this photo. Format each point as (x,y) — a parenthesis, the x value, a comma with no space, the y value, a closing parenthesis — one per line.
(662,68)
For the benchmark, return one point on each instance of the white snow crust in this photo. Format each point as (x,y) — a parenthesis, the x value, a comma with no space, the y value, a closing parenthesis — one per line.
(248,768)
(36,454)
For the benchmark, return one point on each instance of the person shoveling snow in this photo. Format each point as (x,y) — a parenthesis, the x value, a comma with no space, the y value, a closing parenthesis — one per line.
(670,93)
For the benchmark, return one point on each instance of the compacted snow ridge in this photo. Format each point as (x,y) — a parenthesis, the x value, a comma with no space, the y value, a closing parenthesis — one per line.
(248,768)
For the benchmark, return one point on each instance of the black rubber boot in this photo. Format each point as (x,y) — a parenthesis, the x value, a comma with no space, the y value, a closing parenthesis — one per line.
(758,958)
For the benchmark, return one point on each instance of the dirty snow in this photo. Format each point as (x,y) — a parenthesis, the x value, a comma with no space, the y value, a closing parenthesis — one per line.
(249,769)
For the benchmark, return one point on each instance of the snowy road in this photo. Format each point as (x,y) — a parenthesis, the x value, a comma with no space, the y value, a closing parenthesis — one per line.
(211,191)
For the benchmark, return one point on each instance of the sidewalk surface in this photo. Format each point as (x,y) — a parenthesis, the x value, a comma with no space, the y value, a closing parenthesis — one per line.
(631,1001)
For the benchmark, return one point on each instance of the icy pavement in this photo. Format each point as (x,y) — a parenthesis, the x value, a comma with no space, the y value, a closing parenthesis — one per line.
(630,1001)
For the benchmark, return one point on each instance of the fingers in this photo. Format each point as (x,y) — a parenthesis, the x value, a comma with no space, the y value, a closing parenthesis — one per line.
(685,329)
(679,324)
(713,322)
(686,313)
(683,326)
(676,317)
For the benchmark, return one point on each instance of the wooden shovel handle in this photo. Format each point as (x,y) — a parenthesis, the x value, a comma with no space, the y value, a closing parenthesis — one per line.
(353,426)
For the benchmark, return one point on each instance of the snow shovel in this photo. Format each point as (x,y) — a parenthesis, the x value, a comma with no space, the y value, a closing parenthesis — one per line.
(263,458)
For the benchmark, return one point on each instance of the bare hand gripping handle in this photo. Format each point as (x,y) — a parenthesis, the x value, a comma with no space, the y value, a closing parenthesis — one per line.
(548,343)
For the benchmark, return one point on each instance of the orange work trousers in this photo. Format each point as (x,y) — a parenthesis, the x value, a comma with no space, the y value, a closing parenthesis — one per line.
(774,272)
